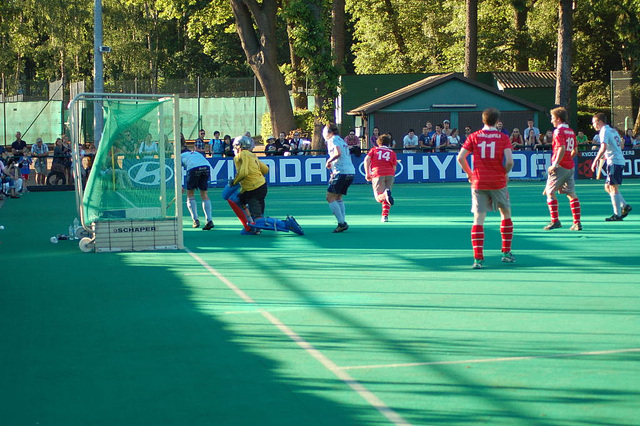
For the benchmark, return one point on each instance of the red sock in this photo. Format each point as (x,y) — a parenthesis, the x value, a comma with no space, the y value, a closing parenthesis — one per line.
(385,208)
(553,209)
(575,210)
(506,230)
(477,241)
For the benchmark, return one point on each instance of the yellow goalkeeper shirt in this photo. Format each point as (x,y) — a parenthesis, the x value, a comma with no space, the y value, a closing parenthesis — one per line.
(250,171)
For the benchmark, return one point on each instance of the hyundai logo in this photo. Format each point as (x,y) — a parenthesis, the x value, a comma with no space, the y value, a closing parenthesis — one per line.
(148,173)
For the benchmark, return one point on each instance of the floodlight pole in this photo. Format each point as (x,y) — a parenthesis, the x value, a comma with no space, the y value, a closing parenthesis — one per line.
(98,79)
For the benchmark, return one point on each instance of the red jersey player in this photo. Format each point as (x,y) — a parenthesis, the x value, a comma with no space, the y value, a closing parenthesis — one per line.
(380,167)
(492,161)
(561,171)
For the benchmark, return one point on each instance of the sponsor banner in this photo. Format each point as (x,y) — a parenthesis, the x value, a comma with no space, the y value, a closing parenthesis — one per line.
(146,173)
(412,168)
(631,167)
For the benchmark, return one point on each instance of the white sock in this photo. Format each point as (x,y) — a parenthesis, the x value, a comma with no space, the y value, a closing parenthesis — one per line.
(343,211)
(623,202)
(193,208)
(206,206)
(337,212)
(616,204)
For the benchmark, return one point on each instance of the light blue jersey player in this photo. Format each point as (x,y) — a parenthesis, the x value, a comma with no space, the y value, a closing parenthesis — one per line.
(610,149)
(342,174)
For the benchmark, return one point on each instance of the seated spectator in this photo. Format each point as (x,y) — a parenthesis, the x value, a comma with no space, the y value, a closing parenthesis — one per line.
(628,139)
(297,145)
(282,144)
(11,180)
(410,142)
(545,141)
(439,140)
(40,151)
(446,127)
(500,127)
(148,148)
(595,143)
(18,146)
(516,140)
(252,141)
(127,146)
(531,135)
(636,141)
(425,140)
(270,146)
(216,145)
(352,139)
(582,140)
(454,140)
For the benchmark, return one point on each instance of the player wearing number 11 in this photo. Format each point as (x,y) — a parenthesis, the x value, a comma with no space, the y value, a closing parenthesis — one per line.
(492,162)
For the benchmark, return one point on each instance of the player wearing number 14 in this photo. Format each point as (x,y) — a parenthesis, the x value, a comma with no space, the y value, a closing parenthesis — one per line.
(380,168)
(492,162)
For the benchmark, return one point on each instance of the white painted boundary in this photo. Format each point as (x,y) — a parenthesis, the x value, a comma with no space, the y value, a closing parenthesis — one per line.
(356,386)
(487,360)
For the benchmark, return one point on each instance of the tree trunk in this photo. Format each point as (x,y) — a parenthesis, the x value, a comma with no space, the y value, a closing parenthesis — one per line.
(521,43)
(298,84)
(563,66)
(337,34)
(260,47)
(471,40)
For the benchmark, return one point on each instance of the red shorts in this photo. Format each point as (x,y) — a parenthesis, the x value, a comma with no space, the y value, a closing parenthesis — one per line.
(25,177)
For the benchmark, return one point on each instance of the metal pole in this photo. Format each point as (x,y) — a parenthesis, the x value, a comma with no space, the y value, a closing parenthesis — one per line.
(199,116)
(98,79)
(4,110)
(255,107)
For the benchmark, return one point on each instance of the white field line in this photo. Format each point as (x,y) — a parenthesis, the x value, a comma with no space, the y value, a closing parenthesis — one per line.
(486,360)
(356,386)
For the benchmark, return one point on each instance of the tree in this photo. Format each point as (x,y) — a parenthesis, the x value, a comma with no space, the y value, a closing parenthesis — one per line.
(471,40)
(256,26)
(522,41)
(563,67)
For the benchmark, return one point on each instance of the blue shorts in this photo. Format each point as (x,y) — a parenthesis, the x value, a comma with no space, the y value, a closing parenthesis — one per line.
(614,174)
(198,178)
(339,184)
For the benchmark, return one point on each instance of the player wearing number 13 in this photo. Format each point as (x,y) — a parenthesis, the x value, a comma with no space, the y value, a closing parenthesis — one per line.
(492,162)
(561,171)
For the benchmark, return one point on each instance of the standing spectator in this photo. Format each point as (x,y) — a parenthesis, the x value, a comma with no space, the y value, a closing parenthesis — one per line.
(561,171)
(18,145)
(430,130)
(25,167)
(439,140)
(610,150)
(410,142)
(501,128)
(199,145)
(595,142)
(628,139)
(342,174)
(353,142)
(516,140)
(531,135)
(582,140)
(228,146)
(66,143)
(252,141)
(374,137)
(425,141)
(467,133)
(492,162)
(454,139)
(40,151)
(216,146)
(380,169)
(446,127)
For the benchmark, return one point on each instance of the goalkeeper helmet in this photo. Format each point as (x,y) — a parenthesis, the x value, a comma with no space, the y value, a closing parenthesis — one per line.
(242,142)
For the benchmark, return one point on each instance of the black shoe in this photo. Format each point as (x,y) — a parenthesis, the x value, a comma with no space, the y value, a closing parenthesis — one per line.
(208,226)
(389,197)
(196,223)
(553,225)
(614,218)
(626,210)
(341,227)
